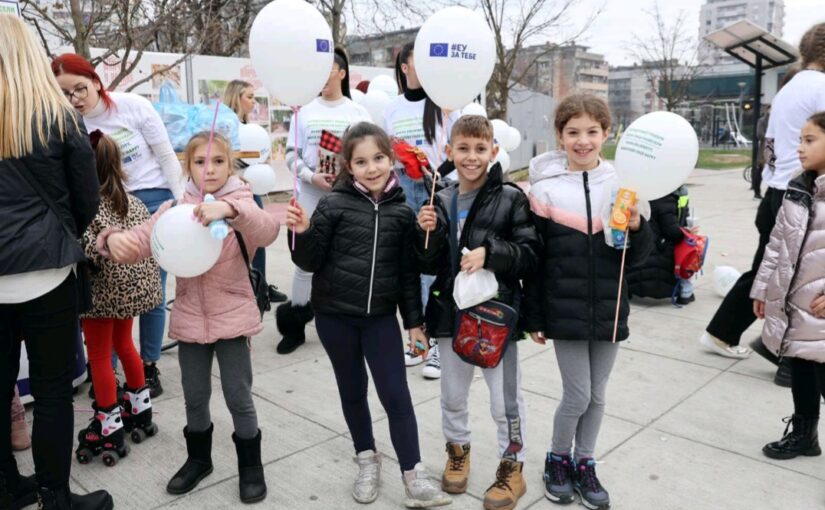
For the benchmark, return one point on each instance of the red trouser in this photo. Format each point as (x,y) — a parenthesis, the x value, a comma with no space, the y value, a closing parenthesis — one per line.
(102,335)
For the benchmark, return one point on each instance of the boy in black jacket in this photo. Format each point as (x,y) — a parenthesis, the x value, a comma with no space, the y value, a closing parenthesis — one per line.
(493,222)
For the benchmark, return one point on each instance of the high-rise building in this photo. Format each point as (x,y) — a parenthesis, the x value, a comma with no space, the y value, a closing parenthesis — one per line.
(716,14)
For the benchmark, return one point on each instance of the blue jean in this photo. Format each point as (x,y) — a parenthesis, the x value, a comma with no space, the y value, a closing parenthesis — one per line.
(259,260)
(153,322)
(416,194)
(685,288)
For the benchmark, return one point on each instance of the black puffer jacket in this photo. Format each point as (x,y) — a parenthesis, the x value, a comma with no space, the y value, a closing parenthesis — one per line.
(499,220)
(361,255)
(655,277)
(31,236)
(573,294)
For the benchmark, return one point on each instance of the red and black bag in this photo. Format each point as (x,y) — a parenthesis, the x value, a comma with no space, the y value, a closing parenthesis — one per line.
(329,147)
(689,255)
(483,331)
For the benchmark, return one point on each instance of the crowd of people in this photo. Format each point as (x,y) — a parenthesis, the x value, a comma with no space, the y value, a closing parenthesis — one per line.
(88,173)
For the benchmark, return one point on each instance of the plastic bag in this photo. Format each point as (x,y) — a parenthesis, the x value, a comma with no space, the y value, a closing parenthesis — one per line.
(175,116)
(183,120)
(472,289)
(226,124)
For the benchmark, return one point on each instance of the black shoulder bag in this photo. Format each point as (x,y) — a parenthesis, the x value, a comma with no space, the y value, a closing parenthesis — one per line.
(256,279)
(84,283)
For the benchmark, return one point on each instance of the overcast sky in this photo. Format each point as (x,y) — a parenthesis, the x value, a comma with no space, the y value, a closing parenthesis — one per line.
(611,30)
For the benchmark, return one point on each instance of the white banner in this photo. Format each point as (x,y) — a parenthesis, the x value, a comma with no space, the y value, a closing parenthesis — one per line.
(10,7)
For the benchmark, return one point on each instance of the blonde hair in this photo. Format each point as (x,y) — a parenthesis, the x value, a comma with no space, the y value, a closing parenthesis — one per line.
(219,142)
(30,98)
(232,97)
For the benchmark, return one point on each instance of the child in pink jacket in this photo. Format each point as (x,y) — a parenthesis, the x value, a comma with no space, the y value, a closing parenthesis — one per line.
(214,314)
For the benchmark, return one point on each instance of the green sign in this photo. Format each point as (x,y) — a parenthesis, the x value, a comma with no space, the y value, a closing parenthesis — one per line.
(10,7)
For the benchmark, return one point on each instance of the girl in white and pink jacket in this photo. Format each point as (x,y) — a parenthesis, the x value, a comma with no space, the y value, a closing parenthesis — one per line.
(789,293)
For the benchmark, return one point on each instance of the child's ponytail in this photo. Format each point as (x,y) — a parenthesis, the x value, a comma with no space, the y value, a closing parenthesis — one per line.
(110,172)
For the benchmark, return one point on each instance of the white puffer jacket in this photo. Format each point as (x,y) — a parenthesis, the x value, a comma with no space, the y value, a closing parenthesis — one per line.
(792,273)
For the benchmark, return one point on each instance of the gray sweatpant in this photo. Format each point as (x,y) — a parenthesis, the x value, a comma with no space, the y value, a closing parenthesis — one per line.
(235,364)
(585,368)
(506,399)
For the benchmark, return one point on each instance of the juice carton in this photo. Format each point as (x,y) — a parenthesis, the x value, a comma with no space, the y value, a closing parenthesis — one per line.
(620,215)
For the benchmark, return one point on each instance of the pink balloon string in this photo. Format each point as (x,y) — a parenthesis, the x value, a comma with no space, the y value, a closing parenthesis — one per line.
(209,145)
(295,110)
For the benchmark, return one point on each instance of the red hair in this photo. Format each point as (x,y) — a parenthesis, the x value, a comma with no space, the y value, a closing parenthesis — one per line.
(70,63)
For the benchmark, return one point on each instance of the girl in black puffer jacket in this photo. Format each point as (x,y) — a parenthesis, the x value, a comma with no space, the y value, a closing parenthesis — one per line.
(358,245)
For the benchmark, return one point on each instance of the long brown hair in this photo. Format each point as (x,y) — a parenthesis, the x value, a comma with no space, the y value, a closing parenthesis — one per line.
(812,46)
(356,134)
(110,172)
(232,97)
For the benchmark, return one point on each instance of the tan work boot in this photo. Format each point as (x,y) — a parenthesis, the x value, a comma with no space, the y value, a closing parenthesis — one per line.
(457,471)
(508,487)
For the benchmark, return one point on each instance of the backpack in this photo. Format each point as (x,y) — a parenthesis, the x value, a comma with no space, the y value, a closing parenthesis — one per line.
(689,254)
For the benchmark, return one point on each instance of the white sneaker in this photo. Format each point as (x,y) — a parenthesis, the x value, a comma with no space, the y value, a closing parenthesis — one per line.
(365,488)
(432,370)
(719,347)
(421,490)
(412,360)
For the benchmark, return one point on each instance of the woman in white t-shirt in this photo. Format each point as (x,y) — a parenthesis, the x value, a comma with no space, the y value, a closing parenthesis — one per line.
(240,97)
(152,169)
(416,119)
(801,97)
(332,111)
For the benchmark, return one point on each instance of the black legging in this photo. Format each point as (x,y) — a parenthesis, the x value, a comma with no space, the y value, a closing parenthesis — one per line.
(735,314)
(349,342)
(48,325)
(807,384)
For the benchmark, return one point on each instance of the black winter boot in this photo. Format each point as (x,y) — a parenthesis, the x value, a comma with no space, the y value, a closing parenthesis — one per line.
(15,491)
(198,461)
(291,321)
(63,499)
(251,482)
(152,376)
(802,440)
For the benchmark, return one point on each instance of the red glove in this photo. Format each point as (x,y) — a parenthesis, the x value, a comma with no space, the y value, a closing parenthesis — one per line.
(414,159)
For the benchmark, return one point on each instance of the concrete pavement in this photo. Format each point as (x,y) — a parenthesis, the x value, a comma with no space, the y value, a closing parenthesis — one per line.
(684,428)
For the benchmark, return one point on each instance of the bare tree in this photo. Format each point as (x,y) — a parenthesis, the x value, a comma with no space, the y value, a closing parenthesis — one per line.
(124,28)
(670,57)
(514,24)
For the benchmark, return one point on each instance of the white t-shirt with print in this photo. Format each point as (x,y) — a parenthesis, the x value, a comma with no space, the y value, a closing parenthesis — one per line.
(319,115)
(800,98)
(405,119)
(135,125)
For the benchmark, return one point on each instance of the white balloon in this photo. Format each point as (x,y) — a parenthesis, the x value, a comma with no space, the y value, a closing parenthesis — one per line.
(501,132)
(182,245)
(254,138)
(291,48)
(656,154)
(375,101)
(724,277)
(503,159)
(261,178)
(454,56)
(357,95)
(513,139)
(474,109)
(385,84)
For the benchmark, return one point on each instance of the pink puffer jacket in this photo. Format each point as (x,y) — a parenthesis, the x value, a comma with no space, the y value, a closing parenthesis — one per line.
(219,303)
(791,275)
